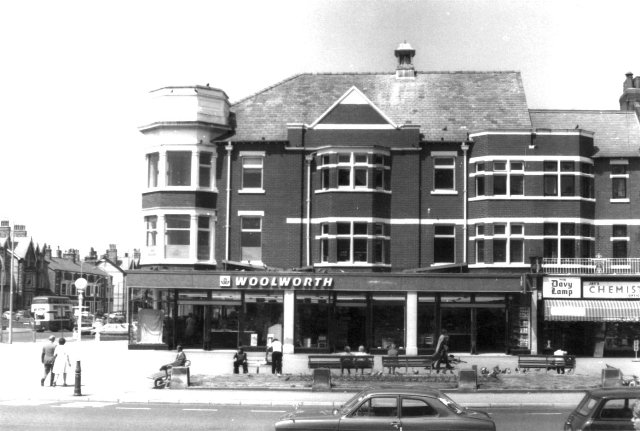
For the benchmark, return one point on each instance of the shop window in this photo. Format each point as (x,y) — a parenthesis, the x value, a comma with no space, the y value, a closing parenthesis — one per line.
(444,173)
(444,244)
(389,312)
(152,169)
(204,238)
(263,317)
(312,320)
(619,177)
(177,236)
(619,241)
(206,168)
(178,168)
(151,224)
(251,239)
(252,170)
(427,321)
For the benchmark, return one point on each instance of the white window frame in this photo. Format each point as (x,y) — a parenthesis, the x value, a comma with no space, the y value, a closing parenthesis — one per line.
(153,169)
(246,157)
(251,215)
(151,228)
(614,239)
(444,155)
(451,236)
(370,167)
(625,177)
(209,166)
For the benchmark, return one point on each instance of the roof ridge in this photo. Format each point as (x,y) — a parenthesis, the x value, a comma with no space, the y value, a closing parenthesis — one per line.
(610,111)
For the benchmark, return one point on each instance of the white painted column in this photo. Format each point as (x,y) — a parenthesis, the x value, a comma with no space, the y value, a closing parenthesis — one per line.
(160,239)
(288,322)
(193,237)
(412,323)
(162,168)
(195,168)
(534,322)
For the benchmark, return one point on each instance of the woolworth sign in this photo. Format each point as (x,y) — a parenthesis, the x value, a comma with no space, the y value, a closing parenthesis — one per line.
(276,282)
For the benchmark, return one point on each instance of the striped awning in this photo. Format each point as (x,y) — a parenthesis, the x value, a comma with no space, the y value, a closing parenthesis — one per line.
(591,311)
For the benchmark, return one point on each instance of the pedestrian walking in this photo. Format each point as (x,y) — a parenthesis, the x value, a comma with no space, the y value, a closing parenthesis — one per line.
(393,352)
(62,362)
(276,357)
(47,358)
(442,351)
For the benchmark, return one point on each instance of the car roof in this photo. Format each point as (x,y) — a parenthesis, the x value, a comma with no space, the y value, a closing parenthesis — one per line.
(403,390)
(615,392)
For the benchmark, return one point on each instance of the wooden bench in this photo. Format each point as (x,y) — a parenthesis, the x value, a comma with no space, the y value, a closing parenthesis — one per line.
(547,362)
(257,362)
(420,361)
(163,379)
(341,362)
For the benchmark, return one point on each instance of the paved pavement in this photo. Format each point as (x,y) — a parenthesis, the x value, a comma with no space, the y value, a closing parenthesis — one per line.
(112,373)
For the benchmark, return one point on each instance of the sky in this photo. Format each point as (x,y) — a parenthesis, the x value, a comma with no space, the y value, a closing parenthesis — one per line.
(75,75)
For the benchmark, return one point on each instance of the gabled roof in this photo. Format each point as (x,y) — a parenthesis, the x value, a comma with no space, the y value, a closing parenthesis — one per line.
(617,133)
(446,105)
(61,264)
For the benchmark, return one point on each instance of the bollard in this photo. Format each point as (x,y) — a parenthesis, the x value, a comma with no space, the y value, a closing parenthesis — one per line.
(76,390)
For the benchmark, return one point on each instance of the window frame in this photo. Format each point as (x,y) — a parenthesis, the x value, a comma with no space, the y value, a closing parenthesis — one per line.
(440,169)
(251,169)
(250,231)
(444,238)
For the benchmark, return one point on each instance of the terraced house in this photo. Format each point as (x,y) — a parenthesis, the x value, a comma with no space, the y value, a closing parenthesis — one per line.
(376,208)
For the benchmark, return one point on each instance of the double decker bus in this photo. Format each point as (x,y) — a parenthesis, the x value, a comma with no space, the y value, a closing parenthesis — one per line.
(52,313)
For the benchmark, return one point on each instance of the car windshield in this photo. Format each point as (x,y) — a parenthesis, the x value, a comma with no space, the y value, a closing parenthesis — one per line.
(587,405)
(346,407)
(452,405)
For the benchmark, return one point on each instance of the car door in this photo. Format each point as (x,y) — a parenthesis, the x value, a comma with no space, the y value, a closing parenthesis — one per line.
(613,414)
(375,413)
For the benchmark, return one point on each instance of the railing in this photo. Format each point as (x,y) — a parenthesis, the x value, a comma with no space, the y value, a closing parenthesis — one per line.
(591,265)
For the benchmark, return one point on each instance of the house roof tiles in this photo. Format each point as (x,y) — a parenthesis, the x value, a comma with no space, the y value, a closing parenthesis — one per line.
(446,105)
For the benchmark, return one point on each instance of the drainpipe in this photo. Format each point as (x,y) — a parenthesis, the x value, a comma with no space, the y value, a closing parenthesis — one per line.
(229,148)
(465,148)
(308,159)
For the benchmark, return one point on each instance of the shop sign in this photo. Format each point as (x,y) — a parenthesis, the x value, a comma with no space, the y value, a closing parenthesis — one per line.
(276,282)
(561,287)
(611,289)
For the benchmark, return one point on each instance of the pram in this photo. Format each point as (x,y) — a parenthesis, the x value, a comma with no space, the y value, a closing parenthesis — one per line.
(161,379)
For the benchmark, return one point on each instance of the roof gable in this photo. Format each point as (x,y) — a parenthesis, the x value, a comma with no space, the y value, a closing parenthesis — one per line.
(353,110)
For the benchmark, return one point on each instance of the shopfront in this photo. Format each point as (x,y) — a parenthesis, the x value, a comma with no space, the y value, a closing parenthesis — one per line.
(591,316)
(325,313)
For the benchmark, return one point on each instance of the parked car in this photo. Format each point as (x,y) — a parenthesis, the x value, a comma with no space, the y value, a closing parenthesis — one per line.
(605,409)
(387,408)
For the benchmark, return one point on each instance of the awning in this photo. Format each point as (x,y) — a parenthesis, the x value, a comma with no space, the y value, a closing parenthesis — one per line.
(591,311)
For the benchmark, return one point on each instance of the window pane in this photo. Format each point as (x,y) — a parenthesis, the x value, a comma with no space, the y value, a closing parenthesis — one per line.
(550,166)
(550,248)
(568,248)
(325,178)
(152,169)
(251,178)
(499,166)
(416,408)
(567,229)
(178,237)
(517,185)
(204,249)
(479,186)
(443,179)
(618,169)
(550,185)
(499,229)
(344,177)
(250,239)
(359,228)
(444,230)
(566,166)
(344,228)
(205,176)
(568,185)
(619,186)
(178,168)
(344,158)
(378,251)
(499,184)
(619,230)
(378,177)
(620,249)
(324,250)
(444,250)
(177,221)
(550,228)
(344,249)
(359,250)
(361,177)
(517,250)
(251,223)
(499,250)
(480,251)
(361,158)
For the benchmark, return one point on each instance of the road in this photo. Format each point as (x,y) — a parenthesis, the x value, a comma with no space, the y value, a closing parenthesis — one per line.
(85,415)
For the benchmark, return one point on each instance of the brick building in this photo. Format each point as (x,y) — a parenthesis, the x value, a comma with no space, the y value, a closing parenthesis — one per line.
(346,209)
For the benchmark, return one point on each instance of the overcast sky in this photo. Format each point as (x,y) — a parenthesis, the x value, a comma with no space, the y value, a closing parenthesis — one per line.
(74,75)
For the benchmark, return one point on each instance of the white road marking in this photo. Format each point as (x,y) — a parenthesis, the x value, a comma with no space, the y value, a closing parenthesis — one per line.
(200,410)
(133,408)
(545,413)
(83,404)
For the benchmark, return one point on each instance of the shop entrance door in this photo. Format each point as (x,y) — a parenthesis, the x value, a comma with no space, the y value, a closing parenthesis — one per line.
(491,330)
(457,322)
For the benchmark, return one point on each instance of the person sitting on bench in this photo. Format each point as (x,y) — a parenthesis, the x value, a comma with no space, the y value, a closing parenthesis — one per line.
(180,360)
(240,358)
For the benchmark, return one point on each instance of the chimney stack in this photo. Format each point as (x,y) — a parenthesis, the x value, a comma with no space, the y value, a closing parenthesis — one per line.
(112,253)
(404,52)
(630,99)
(47,253)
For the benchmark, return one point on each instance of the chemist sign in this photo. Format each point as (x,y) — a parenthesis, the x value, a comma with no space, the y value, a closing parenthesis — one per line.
(561,287)
(611,289)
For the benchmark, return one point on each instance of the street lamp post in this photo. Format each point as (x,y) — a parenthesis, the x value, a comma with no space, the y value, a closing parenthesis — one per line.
(81,284)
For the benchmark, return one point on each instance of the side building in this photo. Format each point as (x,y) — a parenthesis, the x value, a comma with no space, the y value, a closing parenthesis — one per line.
(368,209)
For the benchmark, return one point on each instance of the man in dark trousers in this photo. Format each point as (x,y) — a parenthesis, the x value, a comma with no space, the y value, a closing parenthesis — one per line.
(47,359)
(442,351)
